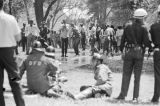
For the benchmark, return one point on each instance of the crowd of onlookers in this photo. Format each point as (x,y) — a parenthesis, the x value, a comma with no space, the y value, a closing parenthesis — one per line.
(94,37)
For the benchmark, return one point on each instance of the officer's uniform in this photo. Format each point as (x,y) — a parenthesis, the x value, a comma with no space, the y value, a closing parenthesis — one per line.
(103,85)
(155,36)
(134,37)
(38,67)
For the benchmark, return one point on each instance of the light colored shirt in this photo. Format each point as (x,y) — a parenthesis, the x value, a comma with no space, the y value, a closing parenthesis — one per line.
(109,31)
(102,74)
(9,30)
(32,30)
(64,32)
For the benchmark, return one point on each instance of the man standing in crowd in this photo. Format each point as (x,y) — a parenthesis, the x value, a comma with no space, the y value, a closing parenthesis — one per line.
(83,37)
(64,39)
(155,36)
(76,39)
(32,32)
(134,37)
(24,38)
(9,35)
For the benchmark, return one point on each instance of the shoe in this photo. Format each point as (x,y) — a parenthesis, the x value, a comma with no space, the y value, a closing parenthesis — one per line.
(66,56)
(135,100)
(155,100)
(62,56)
(120,98)
(70,95)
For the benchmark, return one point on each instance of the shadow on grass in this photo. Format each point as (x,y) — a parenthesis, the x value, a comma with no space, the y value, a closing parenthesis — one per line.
(144,103)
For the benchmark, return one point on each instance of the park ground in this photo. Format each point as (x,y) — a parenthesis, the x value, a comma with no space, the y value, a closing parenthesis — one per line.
(78,72)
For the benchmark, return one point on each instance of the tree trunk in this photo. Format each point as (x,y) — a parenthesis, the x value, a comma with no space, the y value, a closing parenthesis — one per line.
(39,11)
(48,9)
(27,11)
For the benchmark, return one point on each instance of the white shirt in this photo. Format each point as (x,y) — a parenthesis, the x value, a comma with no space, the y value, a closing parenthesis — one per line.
(32,30)
(9,30)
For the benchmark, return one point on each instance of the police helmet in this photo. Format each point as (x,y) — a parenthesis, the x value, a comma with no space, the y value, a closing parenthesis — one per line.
(140,13)
(36,44)
(50,49)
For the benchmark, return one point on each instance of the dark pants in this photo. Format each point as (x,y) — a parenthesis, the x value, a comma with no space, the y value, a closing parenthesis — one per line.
(157,75)
(24,43)
(64,46)
(76,42)
(7,61)
(83,42)
(133,61)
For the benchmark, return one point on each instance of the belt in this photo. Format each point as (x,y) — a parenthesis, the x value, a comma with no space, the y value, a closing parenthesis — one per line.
(131,45)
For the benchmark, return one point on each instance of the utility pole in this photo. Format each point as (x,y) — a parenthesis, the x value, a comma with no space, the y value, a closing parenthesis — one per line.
(10,7)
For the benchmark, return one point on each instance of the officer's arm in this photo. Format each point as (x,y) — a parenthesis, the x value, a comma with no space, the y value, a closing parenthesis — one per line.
(146,40)
(152,34)
(123,41)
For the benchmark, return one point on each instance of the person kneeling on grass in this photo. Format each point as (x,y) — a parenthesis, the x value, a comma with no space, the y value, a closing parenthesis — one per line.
(103,85)
(41,71)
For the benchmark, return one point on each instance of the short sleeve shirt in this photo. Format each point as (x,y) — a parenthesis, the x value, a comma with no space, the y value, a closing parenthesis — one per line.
(8,30)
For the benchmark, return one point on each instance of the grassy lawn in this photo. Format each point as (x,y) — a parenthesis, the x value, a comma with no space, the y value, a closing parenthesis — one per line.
(78,74)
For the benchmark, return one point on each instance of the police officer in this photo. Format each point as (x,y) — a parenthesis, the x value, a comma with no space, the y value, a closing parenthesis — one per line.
(156,40)
(9,35)
(39,71)
(134,39)
(103,77)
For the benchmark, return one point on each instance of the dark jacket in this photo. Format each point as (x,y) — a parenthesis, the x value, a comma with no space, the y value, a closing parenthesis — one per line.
(155,34)
(135,33)
(38,66)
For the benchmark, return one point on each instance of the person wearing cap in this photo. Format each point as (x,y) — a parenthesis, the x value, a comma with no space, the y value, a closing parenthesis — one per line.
(154,30)
(9,35)
(103,77)
(39,69)
(134,40)
(32,32)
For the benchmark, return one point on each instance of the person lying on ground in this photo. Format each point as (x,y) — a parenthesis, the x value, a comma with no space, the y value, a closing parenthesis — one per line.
(41,73)
(103,85)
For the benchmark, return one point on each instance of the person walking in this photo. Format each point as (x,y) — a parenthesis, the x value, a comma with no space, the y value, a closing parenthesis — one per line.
(24,38)
(134,37)
(119,34)
(64,39)
(9,35)
(76,39)
(31,32)
(156,57)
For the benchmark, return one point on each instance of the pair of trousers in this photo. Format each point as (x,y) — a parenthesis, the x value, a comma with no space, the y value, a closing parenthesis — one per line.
(7,61)
(30,40)
(76,42)
(157,74)
(91,91)
(64,45)
(83,43)
(133,61)
(24,43)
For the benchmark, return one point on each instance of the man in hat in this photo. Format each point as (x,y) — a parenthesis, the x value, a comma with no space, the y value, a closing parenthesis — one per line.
(156,41)
(103,77)
(134,37)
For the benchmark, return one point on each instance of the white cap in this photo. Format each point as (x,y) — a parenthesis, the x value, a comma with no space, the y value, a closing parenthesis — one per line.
(140,13)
